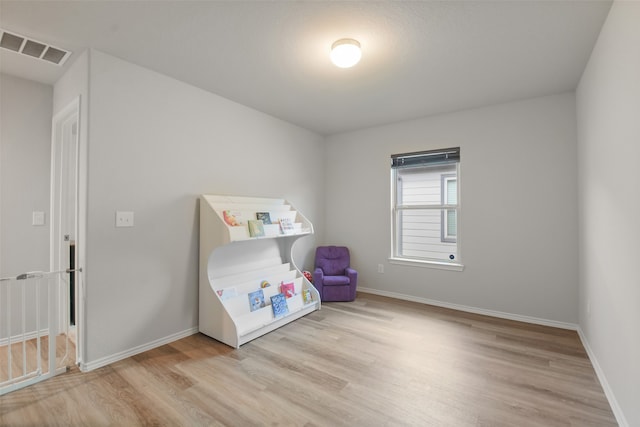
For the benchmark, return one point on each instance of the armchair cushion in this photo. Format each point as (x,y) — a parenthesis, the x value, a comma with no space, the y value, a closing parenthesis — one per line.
(336,280)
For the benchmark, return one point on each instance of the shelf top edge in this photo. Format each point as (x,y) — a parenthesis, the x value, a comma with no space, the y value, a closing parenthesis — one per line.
(236,200)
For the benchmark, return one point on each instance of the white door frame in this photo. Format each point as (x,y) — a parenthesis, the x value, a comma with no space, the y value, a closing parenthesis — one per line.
(60,140)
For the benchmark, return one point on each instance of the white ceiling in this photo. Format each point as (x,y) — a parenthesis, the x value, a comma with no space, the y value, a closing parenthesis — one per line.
(419,58)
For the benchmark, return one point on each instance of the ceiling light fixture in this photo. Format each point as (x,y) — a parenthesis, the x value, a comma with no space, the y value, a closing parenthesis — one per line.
(345,53)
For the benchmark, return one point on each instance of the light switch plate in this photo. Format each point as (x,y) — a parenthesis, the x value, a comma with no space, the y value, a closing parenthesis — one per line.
(124,219)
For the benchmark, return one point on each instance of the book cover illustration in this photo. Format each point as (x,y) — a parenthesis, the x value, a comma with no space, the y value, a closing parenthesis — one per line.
(227,293)
(279,305)
(288,289)
(233,218)
(256,300)
(256,228)
(286,225)
(306,296)
(264,217)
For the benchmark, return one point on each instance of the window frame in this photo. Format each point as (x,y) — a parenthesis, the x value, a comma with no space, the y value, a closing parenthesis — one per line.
(445,237)
(396,225)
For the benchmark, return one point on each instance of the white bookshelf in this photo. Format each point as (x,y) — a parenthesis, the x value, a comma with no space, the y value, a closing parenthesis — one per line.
(233,264)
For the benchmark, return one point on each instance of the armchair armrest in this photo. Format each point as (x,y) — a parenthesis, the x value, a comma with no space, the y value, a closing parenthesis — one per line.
(318,279)
(352,274)
(353,282)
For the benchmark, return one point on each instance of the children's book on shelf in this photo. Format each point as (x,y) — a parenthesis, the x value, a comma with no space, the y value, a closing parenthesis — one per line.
(256,300)
(286,225)
(227,293)
(288,289)
(306,296)
(233,218)
(256,228)
(279,305)
(264,217)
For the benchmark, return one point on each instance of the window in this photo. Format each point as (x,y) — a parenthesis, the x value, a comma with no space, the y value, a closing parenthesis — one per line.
(425,201)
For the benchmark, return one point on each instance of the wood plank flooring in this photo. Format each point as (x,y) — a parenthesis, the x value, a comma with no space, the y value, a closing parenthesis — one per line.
(374,362)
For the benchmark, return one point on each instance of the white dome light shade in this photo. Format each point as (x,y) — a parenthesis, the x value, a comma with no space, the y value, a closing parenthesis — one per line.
(345,53)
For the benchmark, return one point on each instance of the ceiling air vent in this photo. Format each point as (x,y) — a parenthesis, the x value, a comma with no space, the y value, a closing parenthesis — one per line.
(33,48)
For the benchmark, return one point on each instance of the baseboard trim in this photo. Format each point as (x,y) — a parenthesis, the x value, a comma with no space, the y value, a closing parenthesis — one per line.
(615,407)
(104,361)
(475,310)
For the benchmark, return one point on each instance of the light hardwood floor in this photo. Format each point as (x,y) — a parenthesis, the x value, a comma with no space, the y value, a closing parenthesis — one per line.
(374,362)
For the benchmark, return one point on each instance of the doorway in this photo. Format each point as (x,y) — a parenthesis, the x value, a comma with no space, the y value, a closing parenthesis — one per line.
(64,240)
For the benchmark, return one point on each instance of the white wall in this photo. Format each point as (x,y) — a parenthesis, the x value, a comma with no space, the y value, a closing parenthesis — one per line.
(155,145)
(25,159)
(518,183)
(608,112)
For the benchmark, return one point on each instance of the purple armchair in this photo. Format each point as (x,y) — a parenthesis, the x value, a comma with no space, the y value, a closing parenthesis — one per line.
(332,276)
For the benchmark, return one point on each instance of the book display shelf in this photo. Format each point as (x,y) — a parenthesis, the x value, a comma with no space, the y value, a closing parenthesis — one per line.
(249,283)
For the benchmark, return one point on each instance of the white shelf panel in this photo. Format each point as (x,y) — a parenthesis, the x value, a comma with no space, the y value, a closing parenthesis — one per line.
(239,305)
(239,233)
(263,317)
(250,276)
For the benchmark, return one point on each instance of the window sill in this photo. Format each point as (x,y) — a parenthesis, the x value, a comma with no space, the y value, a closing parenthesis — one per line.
(427,264)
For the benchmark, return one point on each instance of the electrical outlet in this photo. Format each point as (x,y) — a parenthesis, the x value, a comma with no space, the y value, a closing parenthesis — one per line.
(380,268)
(124,219)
